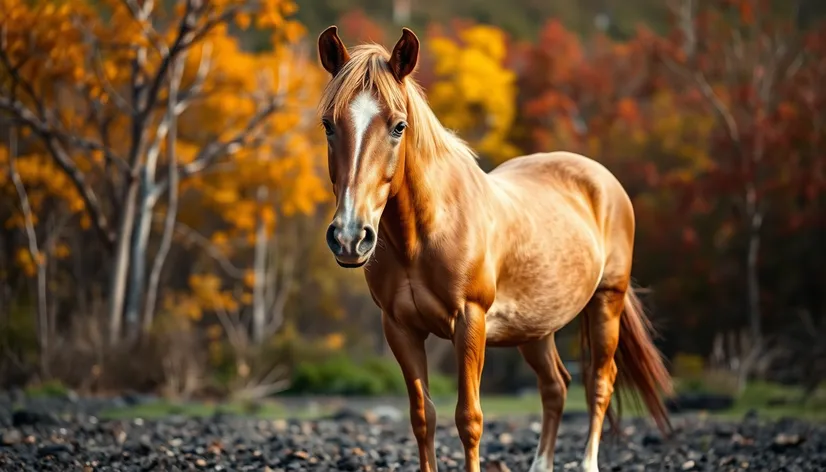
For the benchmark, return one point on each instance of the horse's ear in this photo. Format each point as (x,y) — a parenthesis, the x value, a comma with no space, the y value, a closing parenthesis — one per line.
(405,55)
(331,51)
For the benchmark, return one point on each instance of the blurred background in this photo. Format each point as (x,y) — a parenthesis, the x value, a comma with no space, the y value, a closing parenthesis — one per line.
(164,190)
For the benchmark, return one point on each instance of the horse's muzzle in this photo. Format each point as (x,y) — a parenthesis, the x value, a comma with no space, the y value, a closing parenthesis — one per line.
(351,244)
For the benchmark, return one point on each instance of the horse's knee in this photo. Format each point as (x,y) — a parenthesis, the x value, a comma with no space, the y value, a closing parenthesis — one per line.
(606,376)
(469,424)
(422,416)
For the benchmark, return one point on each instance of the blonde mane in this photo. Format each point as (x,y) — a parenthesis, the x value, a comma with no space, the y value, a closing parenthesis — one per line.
(368,69)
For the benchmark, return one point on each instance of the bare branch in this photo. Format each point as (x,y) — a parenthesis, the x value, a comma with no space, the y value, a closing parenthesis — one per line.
(23,196)
(714,100)
(34,251)
(211,23)
(172,207)
(216,149)
(200,77)
(42,129)
(185,38)
(65,162)
(211,249)
(236,336)
(100,71)
(144,98)
(141,15)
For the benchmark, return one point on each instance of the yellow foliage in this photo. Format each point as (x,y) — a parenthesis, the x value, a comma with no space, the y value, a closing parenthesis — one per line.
(475,92)
(24,260)
(682,136)
(287,158)
(249,278)
(334,341)
(78,55)
(688,366)
(43,179)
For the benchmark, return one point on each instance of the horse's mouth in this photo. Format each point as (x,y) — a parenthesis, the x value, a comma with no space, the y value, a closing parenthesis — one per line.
(348,265)
(352,265)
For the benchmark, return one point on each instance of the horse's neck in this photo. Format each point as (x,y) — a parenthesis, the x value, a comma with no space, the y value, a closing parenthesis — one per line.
(434,191)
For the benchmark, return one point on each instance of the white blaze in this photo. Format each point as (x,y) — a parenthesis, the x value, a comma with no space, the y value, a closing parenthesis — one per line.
(362,111)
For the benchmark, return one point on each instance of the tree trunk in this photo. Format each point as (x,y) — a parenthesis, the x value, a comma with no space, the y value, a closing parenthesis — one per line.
(172,209)
(755,319)
(140,241)
(755,218)
(401,11)
(37,257)
(259,301)
(120,267)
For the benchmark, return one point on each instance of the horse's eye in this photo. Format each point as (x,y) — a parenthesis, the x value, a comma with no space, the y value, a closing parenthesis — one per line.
(397,131)
(328,128)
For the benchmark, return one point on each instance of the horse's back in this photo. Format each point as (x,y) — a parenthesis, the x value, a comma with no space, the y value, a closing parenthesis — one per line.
(569,226)
(562,169)
(566,179)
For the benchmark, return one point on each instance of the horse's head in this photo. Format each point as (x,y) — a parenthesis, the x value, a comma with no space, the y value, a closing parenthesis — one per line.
(364,114)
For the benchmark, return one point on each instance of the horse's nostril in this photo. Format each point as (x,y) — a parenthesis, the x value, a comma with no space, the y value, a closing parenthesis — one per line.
(332,241)
(368,241)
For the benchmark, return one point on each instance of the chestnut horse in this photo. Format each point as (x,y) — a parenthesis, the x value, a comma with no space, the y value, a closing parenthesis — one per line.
(504,258)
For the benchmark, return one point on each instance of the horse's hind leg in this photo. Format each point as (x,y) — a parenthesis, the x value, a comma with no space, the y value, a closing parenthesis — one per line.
(553,381)
(603,321)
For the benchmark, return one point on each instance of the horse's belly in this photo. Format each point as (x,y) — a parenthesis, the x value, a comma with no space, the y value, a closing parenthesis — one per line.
(511,323)
(534,301)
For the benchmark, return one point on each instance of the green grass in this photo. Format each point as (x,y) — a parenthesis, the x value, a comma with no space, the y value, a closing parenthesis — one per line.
(52,388)
(160,409)
(759,396)
(510,405)
(492,405)
(756,396)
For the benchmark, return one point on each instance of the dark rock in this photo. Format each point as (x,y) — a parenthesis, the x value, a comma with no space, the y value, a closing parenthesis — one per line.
(11,437)
(349,414)
(751,415)
(350,440)
(574,415)
(652,440)
(53,449)
(29,417)
(496,466)
(698,401)
(387,413)
(782,442)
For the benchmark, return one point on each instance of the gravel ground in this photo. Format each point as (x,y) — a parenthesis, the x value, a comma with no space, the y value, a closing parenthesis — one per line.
(36,438)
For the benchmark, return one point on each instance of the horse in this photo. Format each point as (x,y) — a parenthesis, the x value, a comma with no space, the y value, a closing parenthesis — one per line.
(503,258)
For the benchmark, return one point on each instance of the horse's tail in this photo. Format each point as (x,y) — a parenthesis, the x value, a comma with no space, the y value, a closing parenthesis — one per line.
(640,368)
(639,362)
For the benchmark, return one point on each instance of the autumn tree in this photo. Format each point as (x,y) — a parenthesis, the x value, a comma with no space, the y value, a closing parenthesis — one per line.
(737,55)
(472,91)
(102,89)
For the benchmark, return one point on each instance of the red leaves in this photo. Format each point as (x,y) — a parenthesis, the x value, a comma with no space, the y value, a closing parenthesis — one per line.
(746,12)
(356,27)
(627,110)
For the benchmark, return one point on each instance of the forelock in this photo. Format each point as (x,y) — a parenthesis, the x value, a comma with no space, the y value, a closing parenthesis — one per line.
(367,69)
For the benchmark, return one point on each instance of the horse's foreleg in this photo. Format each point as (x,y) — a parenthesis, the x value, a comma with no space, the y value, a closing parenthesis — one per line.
(553,382)
(603,312)
(469,343)
(408,348)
